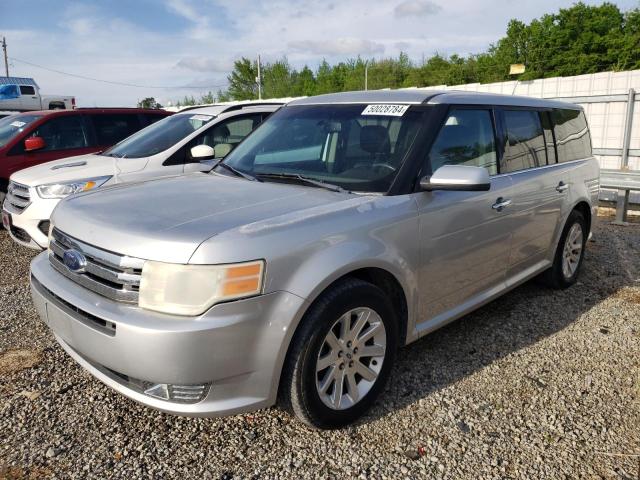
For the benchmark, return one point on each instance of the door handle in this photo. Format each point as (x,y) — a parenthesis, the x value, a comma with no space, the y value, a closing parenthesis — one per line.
(500,204)
(562,187)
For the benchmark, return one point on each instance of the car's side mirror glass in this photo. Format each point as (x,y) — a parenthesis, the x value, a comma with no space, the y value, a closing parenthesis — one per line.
(34,143)
(457,177)
(202,152)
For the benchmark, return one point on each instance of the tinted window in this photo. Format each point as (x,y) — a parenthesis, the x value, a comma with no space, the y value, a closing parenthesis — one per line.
(111,129)
(319,142)
(466,138)
(572,135)
(13,125)
(27,90)
(149,119)
(548,137)
(62,133)
(525,146)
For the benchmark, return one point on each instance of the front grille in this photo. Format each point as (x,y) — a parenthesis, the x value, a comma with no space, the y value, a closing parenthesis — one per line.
(104,326)
(43,226)
(20,234)
(18,198)
(108,274)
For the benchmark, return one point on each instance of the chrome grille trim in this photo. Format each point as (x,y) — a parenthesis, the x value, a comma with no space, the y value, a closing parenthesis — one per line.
(108,274)
(18,198)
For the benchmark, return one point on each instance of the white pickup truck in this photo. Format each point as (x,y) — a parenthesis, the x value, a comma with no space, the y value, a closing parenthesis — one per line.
(23,94)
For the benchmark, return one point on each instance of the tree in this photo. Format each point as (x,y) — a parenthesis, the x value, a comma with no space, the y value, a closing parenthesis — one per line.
(149,102)
(573,41)
(242,81)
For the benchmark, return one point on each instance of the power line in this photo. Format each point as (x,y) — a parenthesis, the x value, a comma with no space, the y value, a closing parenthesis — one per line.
(112,82)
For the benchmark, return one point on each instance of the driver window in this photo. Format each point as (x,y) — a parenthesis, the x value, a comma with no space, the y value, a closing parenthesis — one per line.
(466,138)
(229,133)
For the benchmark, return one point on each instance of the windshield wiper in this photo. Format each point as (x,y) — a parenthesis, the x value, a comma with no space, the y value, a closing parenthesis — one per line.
(237,173)
(302,179)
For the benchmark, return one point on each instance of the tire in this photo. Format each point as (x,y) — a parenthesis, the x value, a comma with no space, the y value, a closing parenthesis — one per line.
(302,380)
(557,276)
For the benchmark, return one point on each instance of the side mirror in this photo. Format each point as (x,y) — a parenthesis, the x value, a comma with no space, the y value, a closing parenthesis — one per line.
(222,150)
(202,152)
(34,143)
(457,177)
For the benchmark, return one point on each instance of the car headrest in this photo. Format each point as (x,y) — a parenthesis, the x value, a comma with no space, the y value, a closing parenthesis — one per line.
(221,132)
(375,139)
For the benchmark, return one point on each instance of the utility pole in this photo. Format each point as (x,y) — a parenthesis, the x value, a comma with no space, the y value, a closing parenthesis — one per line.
(259,80)
(366,75)
(6,59)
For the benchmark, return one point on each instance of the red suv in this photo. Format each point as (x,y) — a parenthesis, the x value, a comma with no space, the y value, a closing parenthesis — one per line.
(30,138)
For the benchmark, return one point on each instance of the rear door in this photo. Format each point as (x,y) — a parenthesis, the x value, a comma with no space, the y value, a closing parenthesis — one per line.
(538,186)
(465,237)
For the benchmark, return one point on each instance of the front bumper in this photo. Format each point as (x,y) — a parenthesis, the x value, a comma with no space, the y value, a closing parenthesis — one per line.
(28,220)
(236,347)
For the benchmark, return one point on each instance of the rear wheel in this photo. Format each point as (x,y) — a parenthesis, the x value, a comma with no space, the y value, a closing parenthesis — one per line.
(569,253)
(341,355)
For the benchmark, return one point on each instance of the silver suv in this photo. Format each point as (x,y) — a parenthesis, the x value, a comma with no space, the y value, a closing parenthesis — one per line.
(345,226)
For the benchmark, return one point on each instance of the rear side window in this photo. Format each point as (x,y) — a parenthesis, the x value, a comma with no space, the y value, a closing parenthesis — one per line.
(572,135)
(110,129)
(63,133)
(27,90)
(525,143)
(466,138)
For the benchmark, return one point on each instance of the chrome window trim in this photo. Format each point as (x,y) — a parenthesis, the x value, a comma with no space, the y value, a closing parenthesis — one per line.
(541,167)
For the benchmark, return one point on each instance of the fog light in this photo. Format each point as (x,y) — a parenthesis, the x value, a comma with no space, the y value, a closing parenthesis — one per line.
(177,393)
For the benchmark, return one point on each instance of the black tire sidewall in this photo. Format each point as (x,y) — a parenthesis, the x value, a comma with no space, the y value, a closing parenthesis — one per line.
(574,218)
(359,295)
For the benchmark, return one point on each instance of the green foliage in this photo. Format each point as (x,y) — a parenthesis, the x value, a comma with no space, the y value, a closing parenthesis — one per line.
(574,41)
(149,102)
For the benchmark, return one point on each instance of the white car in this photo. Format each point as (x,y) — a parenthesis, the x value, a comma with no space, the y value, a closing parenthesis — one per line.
(189,141)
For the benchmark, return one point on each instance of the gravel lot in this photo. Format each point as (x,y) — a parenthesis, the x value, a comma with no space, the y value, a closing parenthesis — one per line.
(538,384)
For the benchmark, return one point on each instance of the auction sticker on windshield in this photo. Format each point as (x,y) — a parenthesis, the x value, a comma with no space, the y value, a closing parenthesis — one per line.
(385,109)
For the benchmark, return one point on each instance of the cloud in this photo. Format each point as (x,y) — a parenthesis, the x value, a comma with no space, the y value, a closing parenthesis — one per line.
(411,8)
(339,46)
(205,64)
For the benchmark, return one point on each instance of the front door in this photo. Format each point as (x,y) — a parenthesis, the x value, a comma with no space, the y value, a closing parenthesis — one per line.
(465,236)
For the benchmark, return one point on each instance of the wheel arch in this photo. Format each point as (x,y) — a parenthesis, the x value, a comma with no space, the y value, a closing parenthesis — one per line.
(585,209)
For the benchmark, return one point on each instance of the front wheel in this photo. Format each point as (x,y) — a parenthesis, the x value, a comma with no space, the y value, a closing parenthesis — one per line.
(569,253)
(341,355)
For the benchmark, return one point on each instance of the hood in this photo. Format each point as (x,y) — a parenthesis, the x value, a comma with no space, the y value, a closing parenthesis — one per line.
(168,218)
(66,170)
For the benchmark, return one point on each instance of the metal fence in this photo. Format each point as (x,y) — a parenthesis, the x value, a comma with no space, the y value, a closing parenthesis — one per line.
(610,101)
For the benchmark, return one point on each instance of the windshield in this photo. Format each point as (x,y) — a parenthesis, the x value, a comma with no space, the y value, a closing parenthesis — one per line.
(158,137)
(14,125)
(356,147)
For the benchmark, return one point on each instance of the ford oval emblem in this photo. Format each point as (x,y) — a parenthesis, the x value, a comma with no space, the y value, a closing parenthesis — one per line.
(74,261)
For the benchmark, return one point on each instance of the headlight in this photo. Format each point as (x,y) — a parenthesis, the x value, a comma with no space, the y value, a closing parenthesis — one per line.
(193,289)
(61,190)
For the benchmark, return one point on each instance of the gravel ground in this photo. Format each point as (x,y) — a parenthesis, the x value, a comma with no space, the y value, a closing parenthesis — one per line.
(538,384)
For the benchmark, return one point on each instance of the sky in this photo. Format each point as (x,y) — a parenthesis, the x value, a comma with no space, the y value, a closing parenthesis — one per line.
(172,48)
